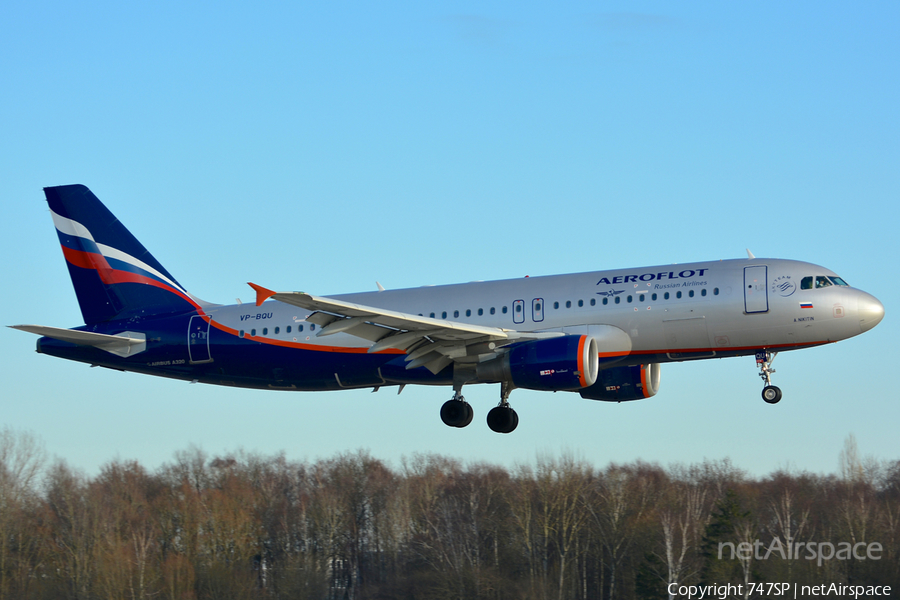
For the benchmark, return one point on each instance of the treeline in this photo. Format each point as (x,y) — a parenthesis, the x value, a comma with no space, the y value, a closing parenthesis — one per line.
(352,527)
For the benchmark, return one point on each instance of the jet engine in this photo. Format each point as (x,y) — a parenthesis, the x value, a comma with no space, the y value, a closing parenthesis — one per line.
(618,384)
(569,362)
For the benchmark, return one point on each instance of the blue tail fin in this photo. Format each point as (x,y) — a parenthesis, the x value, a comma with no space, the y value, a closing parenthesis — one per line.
(114,276)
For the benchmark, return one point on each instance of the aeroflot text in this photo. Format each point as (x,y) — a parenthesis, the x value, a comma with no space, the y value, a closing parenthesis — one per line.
(686,274)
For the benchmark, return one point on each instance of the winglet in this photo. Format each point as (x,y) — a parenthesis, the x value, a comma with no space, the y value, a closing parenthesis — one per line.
(262,294)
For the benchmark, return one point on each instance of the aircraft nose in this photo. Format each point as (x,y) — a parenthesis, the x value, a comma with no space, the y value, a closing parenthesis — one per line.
(870,310)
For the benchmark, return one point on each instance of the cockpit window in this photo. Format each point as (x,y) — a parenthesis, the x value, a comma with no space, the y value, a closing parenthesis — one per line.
(807,283)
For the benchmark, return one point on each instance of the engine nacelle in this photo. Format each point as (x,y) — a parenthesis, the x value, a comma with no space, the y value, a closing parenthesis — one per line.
(569,362)
(618,384)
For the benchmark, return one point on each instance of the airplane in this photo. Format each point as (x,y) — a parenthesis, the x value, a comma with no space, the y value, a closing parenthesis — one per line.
(601,334)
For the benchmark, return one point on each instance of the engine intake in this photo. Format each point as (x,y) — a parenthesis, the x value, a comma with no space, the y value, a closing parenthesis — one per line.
(568,362)
(619,384)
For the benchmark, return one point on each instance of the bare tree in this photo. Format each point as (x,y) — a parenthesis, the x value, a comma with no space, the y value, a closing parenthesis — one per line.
(683,511)
(617,502)
(21,462)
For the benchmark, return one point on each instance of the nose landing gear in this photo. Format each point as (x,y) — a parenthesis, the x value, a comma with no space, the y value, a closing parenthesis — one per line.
(764,359)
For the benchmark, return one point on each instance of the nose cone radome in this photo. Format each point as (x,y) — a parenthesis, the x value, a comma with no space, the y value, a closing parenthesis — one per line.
(871,311)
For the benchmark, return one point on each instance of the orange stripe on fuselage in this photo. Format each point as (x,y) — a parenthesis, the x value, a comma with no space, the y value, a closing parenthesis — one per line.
(299,345)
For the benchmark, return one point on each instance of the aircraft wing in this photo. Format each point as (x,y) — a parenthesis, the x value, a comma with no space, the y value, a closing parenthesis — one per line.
(432,343)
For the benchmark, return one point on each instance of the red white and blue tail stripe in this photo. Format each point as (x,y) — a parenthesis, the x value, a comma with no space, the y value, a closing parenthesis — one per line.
(114,276)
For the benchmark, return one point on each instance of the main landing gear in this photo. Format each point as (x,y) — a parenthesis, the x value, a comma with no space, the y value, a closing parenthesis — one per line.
(502,418)
(764,359)
(456,412)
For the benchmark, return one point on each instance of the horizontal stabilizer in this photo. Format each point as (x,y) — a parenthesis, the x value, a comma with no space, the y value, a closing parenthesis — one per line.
(127,343)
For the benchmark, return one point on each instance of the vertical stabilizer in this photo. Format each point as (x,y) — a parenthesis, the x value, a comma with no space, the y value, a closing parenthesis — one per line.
(114,276)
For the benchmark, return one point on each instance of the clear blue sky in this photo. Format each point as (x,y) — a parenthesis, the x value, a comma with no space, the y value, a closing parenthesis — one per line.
(324,146)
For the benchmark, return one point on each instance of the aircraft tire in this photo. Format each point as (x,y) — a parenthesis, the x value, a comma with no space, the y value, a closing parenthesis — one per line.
(514,421)
(456,413)
(771,394)
(502,419)
(470,414)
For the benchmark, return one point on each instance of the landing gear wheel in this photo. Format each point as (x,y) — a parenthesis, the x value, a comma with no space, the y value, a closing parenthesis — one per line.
(456,412)
(771,394)
(502,419)
(764,360)
(470,414)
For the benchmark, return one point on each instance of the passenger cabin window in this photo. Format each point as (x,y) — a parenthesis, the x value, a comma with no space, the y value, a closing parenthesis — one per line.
(505,309)
(493,310)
